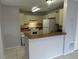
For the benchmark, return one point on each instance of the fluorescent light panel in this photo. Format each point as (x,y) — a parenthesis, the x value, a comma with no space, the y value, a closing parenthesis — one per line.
(34,9)
(37,9)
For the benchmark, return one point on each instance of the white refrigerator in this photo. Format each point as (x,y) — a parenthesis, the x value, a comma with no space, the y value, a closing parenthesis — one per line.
(49,25)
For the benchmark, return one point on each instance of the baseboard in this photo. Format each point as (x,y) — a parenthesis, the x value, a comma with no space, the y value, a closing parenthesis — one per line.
(76,49)
(64,54)
(69,52)
(56,56)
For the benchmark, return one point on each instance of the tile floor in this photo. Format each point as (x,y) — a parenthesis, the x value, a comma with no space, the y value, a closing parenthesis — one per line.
(15,53)
(73,55)
(19,53)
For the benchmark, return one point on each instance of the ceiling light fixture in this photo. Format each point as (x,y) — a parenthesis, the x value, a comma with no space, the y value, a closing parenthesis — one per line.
(37,9)
(34,9)
(49,1)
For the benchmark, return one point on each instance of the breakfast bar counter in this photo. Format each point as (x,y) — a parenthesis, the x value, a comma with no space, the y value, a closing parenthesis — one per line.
(44,46)
(42,35)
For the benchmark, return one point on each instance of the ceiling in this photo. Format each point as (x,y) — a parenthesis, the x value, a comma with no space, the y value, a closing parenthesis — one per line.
(27,5)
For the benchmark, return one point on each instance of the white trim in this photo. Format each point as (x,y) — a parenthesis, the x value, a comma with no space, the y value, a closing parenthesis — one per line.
(76,49)
(63,54)
(56,56)
(69,52)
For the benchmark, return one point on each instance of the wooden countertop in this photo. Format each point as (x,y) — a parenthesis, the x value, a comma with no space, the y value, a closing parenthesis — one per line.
(30,36)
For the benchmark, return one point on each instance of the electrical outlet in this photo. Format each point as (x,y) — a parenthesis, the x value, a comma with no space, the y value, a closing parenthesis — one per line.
(71,46)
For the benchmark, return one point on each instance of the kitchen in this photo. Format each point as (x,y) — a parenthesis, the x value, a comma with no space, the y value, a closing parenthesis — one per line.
(42,22)
(40,31)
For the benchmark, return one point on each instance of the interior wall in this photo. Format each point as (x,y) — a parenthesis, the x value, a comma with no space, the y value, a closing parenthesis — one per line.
(76,39)
(11,26)
(70,24)
(1,41)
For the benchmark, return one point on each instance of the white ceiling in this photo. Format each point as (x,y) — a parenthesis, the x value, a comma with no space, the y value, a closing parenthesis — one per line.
(28,4)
